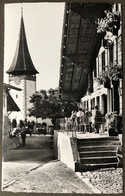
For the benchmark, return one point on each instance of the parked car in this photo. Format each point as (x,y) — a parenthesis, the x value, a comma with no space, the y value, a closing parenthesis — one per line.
(41,129)
(15,132)
(29,129)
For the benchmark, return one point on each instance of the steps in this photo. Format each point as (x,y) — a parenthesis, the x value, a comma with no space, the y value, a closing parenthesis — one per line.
(97,153)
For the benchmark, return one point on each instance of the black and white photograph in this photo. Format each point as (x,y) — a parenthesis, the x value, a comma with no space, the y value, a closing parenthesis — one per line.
(62,121)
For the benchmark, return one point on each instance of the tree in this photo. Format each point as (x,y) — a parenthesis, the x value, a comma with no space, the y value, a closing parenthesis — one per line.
(45,104)
(35,109)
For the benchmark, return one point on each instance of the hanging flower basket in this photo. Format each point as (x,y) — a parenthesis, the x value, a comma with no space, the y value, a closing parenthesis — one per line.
(111,120)
(112,73)
(107,84)
(109,23)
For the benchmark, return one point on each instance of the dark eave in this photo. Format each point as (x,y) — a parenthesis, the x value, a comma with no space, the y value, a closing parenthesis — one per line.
(80,47)
(22,63)
(7,87)
(11,105)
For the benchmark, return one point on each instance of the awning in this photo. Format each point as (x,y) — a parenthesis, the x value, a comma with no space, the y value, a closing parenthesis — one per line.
(11,105)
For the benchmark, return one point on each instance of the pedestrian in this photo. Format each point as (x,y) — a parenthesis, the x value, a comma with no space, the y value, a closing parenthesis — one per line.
(73,119)
(23,136)
(73,115)
(96,119)
(68,125)
(80,119)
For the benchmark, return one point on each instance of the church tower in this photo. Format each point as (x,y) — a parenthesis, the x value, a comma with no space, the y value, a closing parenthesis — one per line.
(22,74)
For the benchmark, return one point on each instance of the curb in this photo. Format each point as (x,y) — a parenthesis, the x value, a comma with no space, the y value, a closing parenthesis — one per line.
(18,178)
(86,181)
(26,172)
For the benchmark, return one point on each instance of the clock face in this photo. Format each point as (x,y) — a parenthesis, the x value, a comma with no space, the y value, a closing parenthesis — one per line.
(17,80)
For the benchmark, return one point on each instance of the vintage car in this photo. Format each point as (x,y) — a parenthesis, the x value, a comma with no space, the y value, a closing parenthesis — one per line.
(41,129)
(15,132)
(29,129)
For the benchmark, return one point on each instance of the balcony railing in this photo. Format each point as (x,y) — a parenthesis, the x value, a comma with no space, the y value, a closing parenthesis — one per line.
(71,128)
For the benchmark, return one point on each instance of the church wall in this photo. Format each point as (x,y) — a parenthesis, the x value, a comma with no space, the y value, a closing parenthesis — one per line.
(18,97)
(22,98)
(30,89)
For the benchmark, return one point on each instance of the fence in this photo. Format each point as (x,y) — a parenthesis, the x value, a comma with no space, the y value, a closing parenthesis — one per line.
(65,125)
(70,127)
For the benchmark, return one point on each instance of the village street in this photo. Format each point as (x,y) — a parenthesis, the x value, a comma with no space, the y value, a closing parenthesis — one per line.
(33,168)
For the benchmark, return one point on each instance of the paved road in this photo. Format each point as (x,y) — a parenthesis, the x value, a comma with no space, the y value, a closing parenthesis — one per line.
(37,149)
(33,168)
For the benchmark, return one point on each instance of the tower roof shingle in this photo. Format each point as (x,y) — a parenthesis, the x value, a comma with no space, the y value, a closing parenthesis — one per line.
(22,63)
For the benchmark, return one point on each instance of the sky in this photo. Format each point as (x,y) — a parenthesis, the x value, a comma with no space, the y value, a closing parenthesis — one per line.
(43,26)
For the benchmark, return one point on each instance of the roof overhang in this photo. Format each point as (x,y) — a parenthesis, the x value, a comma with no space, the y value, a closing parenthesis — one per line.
(80,47)
(11,105)
(8,87)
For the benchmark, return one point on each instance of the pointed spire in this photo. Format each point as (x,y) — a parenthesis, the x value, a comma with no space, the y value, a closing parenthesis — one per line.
(21,12)
(22,63)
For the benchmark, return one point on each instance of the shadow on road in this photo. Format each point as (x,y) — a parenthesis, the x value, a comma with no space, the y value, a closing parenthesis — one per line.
(37,149)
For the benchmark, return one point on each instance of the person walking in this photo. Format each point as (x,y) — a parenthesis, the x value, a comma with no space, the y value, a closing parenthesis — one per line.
(23,136)
(80,117)
(96,119)
(73,119)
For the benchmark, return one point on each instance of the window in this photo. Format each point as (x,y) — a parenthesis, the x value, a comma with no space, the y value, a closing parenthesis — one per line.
(87,105)
(16,96)
(98,102)
(98,70)
(95,75)
(111,55)
(93,102)
(103,61)
(84,104)
(116,7)
(119,50)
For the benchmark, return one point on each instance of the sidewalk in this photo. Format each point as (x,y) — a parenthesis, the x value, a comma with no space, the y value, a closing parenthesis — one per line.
(52,177)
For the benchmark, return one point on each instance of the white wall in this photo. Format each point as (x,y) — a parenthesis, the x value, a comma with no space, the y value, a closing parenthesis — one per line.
(22,98)
(65,153)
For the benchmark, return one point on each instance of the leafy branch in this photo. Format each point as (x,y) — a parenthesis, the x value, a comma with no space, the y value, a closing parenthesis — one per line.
(112,20)
(112,72)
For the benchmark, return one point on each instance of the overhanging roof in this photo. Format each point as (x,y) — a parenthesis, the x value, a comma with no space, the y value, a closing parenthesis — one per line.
(80,46)
(8,87)
(11,105)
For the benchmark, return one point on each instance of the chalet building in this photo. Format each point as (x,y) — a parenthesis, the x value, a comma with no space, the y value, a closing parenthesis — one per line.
(22,74)
(9,106)
(84,56)
(107,98)
(91,74)
(8,103)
